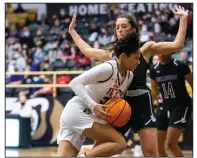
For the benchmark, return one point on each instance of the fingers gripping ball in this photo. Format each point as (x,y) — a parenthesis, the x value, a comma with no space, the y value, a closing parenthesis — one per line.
(120,112)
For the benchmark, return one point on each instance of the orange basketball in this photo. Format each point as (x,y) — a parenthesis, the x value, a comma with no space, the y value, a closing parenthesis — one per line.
(120,112)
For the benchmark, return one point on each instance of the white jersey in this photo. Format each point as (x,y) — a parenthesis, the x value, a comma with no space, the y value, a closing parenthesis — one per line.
(96,85)
(93,87)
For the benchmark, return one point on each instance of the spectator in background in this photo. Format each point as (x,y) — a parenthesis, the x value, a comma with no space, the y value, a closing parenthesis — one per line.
(17,62)
(114,11)
(12,45)
(26,37)
(44,24)
(39,37)
(30,79)
(158,35)
(103,37)
(173,26)
(54,17)
(144,36)
(38,54)
(45,90)
(9,8)
(45,65)
(83,62)
(63,79)
(53,38)
(54,53)
(56,29)
(33,26)
(184,57)
(64,39)
(25,52)
(93,32)
(68,56)
(43,19)
(155,59)
(19,9)
(164,23)
(68,53)
(21,108)
(13,33)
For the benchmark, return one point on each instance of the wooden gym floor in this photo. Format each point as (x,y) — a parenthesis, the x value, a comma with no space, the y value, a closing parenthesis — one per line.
(51,152)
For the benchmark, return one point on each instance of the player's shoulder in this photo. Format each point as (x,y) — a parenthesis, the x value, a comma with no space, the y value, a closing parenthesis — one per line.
(154,68)
(178,63)
(108,65)
(147,44)
(145,48)
(103,68)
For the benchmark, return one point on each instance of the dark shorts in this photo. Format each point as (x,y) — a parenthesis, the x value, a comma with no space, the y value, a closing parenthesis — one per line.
(143,114)
(176,117)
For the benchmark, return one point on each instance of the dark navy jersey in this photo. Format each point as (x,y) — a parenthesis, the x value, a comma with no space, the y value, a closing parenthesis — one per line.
(139,78)
(171,81)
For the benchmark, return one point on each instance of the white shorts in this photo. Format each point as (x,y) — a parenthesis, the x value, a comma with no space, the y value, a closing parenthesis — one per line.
(74,119)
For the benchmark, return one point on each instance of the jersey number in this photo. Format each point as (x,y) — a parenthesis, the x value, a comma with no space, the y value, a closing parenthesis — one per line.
(168,90)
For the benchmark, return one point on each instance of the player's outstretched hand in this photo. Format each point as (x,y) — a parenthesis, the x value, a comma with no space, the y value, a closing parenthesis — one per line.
(72,24)
(180,11)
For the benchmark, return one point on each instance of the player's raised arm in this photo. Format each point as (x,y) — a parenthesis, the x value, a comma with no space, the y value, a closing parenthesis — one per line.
(152,48)
(88,51)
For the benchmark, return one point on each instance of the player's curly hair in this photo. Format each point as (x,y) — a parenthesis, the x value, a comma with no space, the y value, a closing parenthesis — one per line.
(128,45)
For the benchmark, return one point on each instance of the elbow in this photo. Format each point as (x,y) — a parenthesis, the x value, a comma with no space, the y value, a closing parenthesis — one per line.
(86,52)
(72,83)
(179,46)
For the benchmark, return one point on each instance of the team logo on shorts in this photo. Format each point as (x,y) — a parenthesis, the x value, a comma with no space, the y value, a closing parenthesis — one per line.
(87,111)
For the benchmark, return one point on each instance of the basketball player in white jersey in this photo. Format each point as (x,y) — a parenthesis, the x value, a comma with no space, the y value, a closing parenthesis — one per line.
(84,116)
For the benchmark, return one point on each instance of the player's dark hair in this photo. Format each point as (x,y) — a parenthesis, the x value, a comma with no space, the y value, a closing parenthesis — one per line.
(128,44)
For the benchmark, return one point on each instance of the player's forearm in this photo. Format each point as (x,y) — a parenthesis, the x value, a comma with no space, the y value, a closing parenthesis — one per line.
(154,95)
(180,38)
(88,51)
(81,44)
(80,91)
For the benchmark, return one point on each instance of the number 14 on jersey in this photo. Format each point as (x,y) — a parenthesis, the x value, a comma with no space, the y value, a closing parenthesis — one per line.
(168,90)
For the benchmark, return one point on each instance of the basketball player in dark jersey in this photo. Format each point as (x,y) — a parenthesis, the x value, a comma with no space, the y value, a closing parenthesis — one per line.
(173,114)
(142,120)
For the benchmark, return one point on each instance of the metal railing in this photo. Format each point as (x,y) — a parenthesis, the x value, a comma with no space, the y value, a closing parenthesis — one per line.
(54,85)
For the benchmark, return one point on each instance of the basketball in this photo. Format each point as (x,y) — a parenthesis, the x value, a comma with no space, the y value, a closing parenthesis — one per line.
(120,112)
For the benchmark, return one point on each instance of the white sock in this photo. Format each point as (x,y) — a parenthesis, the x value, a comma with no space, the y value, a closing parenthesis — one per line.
(83,155)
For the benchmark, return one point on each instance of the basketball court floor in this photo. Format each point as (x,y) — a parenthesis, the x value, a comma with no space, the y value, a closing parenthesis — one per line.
(52,152)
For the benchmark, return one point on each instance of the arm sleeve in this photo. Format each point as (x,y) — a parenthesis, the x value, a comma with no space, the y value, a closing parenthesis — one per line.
(184,69)
(92,76)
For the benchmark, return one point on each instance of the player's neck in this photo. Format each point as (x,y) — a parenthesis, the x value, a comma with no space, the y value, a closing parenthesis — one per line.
(120,68)
(164,62)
